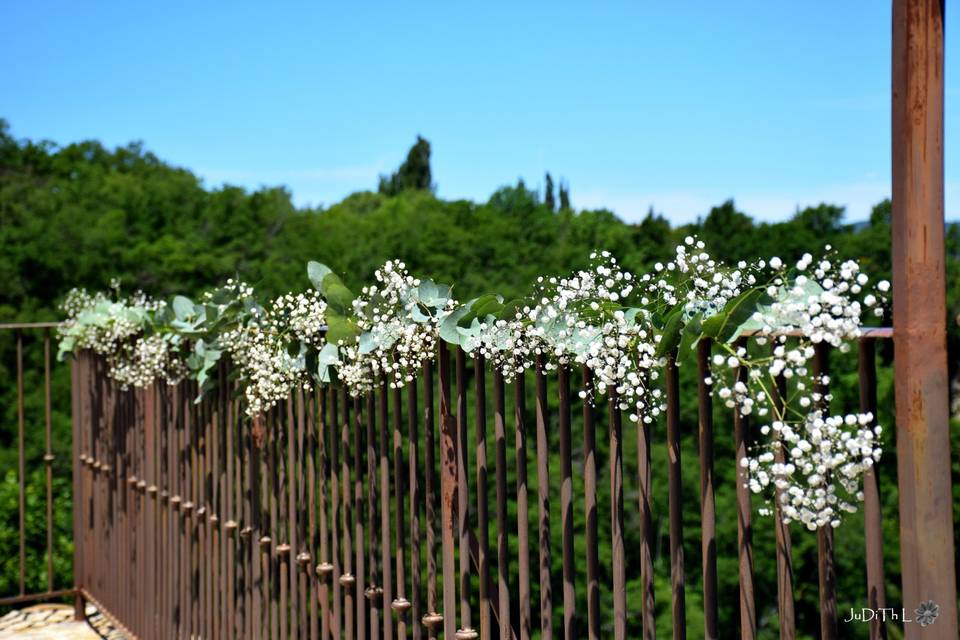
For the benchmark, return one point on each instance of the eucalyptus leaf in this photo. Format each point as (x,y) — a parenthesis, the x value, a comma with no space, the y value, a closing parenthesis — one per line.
(670,337)
(340,328)
(183,307)
(725,325)
(328,356)
(448,326)
(317,272)
(689,338)
(336,293)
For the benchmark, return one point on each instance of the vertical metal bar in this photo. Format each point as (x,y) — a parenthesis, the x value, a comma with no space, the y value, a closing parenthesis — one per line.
(386,561)
(359,520)
(335,513)
(615,425)
(463,499)
(415,500)
(77,379)
(400,604)
(590,508)
(825,548)
(312,506)
(646,527)
(230,525)
(503,543)
(927,557)
(324,567)
(566,503)
(48,455)
(748,612)
(300,557)
(258,567)
(483,515)
(675,499)
(543,500)
(448,491)
(523,508)
(708,506)
(347,580)
(374,593)
(282,527)
(21,467)
(432,619)
(872,530)
(785,604)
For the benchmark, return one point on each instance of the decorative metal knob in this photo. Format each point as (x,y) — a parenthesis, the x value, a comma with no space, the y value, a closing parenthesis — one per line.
(373,593)
(400,605)
(303,560)
(265,544)
(324,569)
(432,619)
(347,580)
(230,526)
(466,634)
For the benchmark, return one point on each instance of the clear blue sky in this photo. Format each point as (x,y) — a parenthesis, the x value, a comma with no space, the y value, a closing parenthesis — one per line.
(675,105)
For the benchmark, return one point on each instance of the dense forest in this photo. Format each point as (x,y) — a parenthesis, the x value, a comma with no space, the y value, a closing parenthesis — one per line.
(80,215)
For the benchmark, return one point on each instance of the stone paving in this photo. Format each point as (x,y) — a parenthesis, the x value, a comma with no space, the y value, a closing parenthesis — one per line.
(55,622)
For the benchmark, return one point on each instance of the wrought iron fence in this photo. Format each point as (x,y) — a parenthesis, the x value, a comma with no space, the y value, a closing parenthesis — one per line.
(335,516)
(29,573)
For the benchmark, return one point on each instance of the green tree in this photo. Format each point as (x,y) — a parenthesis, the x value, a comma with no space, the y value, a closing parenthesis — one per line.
(548,200)
(414,173)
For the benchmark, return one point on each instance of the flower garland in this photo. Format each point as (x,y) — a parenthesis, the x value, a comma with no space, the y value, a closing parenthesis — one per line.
(624,329)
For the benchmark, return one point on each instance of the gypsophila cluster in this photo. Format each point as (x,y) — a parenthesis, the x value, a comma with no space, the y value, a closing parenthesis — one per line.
(115,329)
(149,358)
(399,316)
(812,459)
(816,466)
(261,346)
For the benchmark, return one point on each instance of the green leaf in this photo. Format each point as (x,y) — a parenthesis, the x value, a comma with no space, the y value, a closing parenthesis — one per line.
(448,327)
(328,357)
(317,272)
(341,328)
(692,332)
(725,325)
(511,308)
(337,295)
(366,343)
(417,315)
(670,337)
(183,307)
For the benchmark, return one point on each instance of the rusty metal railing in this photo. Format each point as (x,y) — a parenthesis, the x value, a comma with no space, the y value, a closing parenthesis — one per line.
(335,516)
(31,346)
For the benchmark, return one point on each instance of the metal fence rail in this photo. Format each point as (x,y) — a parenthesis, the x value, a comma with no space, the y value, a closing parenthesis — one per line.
(31,343)
(335,516)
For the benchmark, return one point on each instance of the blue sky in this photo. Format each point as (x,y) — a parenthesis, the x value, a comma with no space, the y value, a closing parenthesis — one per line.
(674,105)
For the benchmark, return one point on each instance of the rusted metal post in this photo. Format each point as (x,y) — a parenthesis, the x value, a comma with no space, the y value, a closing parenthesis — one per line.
(448,495)
(923,442)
